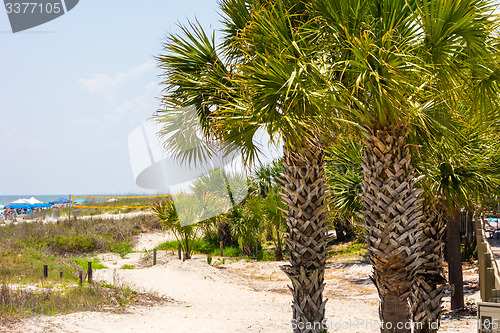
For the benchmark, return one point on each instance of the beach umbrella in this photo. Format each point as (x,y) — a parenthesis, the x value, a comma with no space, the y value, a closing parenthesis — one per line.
(20,206)
(42,205)
(60,201)
(80,201)
(20,201)
(33,201)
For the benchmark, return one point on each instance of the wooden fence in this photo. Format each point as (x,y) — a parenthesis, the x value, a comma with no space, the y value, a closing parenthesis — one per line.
(489,275)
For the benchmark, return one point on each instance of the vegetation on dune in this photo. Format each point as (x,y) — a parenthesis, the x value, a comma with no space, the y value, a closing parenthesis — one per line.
(204,246)
(65,247)
(60,299)
(388,116)
(27,247)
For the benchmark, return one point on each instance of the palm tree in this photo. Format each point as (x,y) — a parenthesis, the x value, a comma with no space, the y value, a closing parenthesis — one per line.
(273,209)
(182,217)
(461,171)
(287,66)
(401,57)
(344,176)
(265,177)
(270,78)
(231,189)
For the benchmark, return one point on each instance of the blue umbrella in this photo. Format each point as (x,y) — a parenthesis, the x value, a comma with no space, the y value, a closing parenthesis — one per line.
(42,205)
(60,201)
(19,206)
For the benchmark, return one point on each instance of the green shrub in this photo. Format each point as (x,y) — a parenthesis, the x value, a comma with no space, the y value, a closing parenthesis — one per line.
(266,256)
(83,263)
(348,249)
(168,246)
(232,251)
(203,246)
(122,248)
(74,243)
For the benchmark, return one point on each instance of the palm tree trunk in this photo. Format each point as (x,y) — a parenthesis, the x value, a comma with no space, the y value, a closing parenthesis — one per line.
(455,275)
(278,252)
(224,228)
(224,232)
(429,286)
(304,194)
(392,212)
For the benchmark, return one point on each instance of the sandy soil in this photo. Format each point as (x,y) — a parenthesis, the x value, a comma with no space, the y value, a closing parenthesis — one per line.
(149,241)
(231,297)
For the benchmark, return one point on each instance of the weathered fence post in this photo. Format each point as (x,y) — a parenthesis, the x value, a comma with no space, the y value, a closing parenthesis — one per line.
(490,280)
(179,251)
(45,271)
(80,275)
(60,274)
(89,272)
(154,257)
(221,249)
(70,204)
(481,252)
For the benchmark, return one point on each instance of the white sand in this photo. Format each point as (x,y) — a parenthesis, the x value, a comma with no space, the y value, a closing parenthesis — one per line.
(235,297)
(149,241)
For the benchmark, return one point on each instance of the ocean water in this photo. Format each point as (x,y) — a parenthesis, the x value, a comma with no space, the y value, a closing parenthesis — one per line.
(7,199)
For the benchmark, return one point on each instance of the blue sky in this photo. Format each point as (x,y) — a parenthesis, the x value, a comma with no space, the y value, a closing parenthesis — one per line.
(74,88)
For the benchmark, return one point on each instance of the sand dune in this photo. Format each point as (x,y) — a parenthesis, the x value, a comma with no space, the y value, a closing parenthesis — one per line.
(235,297)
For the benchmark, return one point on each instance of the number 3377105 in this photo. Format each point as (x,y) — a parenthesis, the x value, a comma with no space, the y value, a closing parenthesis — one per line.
(33,8)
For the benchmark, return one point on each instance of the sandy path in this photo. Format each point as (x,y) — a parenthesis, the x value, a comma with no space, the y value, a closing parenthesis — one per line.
(204,299)
(235,297)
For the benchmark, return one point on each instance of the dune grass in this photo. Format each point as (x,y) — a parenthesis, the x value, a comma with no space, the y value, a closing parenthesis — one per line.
(65,247)
(203,246)
(348,249)
(16,303)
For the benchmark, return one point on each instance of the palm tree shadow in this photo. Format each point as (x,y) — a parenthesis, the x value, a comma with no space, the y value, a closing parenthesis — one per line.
(362,281)
(343,265)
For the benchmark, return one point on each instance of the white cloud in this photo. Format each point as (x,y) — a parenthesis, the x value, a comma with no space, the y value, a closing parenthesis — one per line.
(146,101)
(117,115)
(99,82)
(88,122)
(12,137)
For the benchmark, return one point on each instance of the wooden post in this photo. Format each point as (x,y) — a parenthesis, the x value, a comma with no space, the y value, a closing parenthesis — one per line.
(490,282)
(80,275)
(60,274)
(154,257)
(179,251)
(256,250)
(45,271)
(495,295)
(89,272)
(69,206)
(481,252)
(221,249)
(489,276)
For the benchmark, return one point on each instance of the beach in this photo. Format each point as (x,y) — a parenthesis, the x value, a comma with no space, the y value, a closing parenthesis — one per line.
(228,296)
